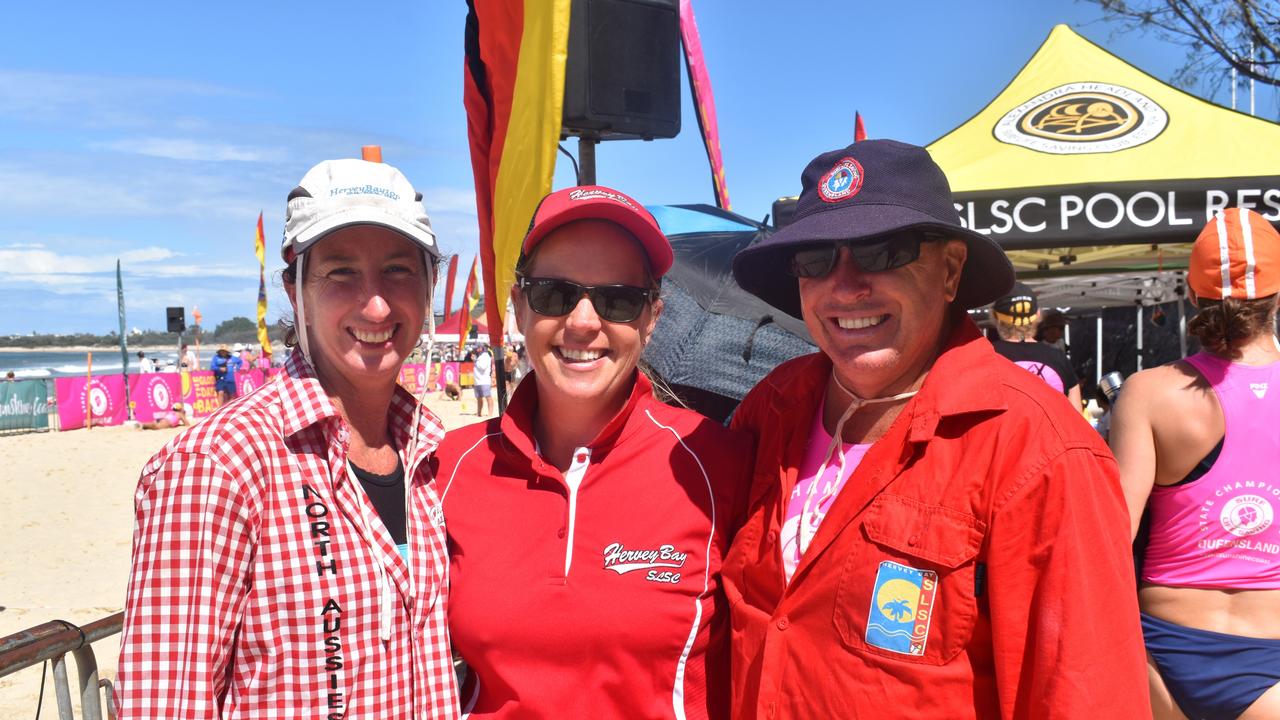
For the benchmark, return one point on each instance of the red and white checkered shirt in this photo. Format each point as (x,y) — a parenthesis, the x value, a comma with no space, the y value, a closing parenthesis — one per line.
(263,581)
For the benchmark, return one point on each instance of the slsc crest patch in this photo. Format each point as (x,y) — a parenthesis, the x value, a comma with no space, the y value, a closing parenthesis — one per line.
(842,181)
(901,608)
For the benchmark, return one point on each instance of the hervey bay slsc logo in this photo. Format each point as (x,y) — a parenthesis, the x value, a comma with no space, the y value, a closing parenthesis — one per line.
(842,181)
(660,564)
(1084,117)
(901,608)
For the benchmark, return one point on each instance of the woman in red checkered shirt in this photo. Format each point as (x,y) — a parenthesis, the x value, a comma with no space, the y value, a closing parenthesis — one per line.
(289,555)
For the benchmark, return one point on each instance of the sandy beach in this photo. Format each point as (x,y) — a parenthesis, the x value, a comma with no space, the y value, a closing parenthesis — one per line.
(67,525)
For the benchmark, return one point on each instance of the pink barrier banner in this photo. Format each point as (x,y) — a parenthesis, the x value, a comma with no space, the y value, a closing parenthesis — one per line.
(105,397)
(248,380)
(450,374)
(199,393)
(413,377)
(153,394)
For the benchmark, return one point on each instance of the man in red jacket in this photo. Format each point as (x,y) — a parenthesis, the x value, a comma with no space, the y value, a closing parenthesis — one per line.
(932,532)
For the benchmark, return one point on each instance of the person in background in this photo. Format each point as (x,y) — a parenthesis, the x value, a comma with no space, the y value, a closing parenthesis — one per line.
(9,376)
(932,532)
(145,365)
(1198,448)
(587,524)
(235,363)
(176,417)
(224,381)
(264,359)
(1105,395)
(289,556)
(482,379)
(1017,318)
(1052,329)
(512,364)
(187,360)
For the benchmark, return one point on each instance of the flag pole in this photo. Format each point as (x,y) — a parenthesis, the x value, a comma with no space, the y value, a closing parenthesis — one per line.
(88,393)
(124,350)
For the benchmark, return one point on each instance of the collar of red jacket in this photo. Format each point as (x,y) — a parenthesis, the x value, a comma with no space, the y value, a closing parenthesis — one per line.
(517,422)
(796,394)
(305,403)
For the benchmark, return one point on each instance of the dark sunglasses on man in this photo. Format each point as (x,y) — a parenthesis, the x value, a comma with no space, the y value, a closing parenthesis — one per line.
(556,298)
(881,254)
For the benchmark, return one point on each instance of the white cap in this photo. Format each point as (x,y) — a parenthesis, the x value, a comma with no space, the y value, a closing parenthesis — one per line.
(237,348)
(340,193)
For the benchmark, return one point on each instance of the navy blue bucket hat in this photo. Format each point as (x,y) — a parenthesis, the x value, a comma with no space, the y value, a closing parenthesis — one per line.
(862,192)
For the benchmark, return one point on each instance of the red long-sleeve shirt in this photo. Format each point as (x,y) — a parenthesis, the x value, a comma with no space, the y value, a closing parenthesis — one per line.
(994,504)
(261,572)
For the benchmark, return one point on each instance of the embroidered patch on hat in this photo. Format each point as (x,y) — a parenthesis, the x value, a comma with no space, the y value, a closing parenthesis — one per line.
(901,608)
(842,181)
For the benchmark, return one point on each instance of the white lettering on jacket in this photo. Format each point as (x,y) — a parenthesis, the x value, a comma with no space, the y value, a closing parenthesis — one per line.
(621,560)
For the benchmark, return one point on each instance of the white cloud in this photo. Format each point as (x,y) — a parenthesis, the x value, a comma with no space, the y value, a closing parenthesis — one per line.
(187,149)
(39,262)
(97,100)
(449,200)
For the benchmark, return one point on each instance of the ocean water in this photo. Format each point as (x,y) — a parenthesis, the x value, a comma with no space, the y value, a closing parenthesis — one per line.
(64,363)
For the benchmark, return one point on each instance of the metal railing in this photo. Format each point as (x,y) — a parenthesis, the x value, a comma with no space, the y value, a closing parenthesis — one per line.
(52,641)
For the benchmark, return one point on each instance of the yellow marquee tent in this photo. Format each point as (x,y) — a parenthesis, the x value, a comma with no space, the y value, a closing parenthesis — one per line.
(1085,165)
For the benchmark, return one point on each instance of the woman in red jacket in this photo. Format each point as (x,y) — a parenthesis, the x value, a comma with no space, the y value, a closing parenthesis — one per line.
(587,524)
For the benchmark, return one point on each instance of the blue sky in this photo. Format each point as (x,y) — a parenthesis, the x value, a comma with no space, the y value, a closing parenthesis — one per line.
(156,134)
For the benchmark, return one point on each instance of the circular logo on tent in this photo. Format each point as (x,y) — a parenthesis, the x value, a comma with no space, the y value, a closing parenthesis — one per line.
(842,181)
(1080,118)
(248,386)
(160,394)
(1246,515)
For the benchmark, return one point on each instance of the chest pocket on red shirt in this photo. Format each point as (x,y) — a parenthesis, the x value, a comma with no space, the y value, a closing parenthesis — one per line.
(909,593)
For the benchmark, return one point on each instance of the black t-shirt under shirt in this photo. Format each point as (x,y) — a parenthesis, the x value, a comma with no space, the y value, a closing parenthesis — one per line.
(1045,361)
(386,492)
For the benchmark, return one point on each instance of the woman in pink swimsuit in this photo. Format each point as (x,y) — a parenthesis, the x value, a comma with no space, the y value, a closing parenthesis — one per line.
(1198,442)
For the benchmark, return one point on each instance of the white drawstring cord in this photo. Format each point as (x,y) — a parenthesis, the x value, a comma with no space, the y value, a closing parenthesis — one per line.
(809,519)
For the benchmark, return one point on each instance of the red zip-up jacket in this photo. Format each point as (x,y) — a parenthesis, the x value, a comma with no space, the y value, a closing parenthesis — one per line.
(593,593)
(975,565)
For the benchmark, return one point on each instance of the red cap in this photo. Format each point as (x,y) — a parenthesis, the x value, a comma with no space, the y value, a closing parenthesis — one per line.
(1237,255)
(596,202)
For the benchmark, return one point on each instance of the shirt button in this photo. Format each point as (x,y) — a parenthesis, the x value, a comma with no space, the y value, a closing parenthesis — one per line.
(771,537)
(913,540)
(582,457)
(560,533)
(783,623)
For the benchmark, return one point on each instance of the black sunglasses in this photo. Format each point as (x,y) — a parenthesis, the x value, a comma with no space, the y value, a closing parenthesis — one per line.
(891,252)
(557,298)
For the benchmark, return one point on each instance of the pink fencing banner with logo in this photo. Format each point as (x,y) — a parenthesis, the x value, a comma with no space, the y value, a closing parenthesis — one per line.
(104,396)
(413,377)
(450,374)
(153,395)
(199,393)
(249,380)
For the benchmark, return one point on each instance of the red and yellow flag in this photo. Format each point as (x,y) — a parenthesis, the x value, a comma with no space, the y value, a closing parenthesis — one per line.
(513,93)
(260,249)
(470,298)
(448,286)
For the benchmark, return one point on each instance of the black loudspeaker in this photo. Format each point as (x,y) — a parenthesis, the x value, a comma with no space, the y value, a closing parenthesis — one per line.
(177,318)
(622,77)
